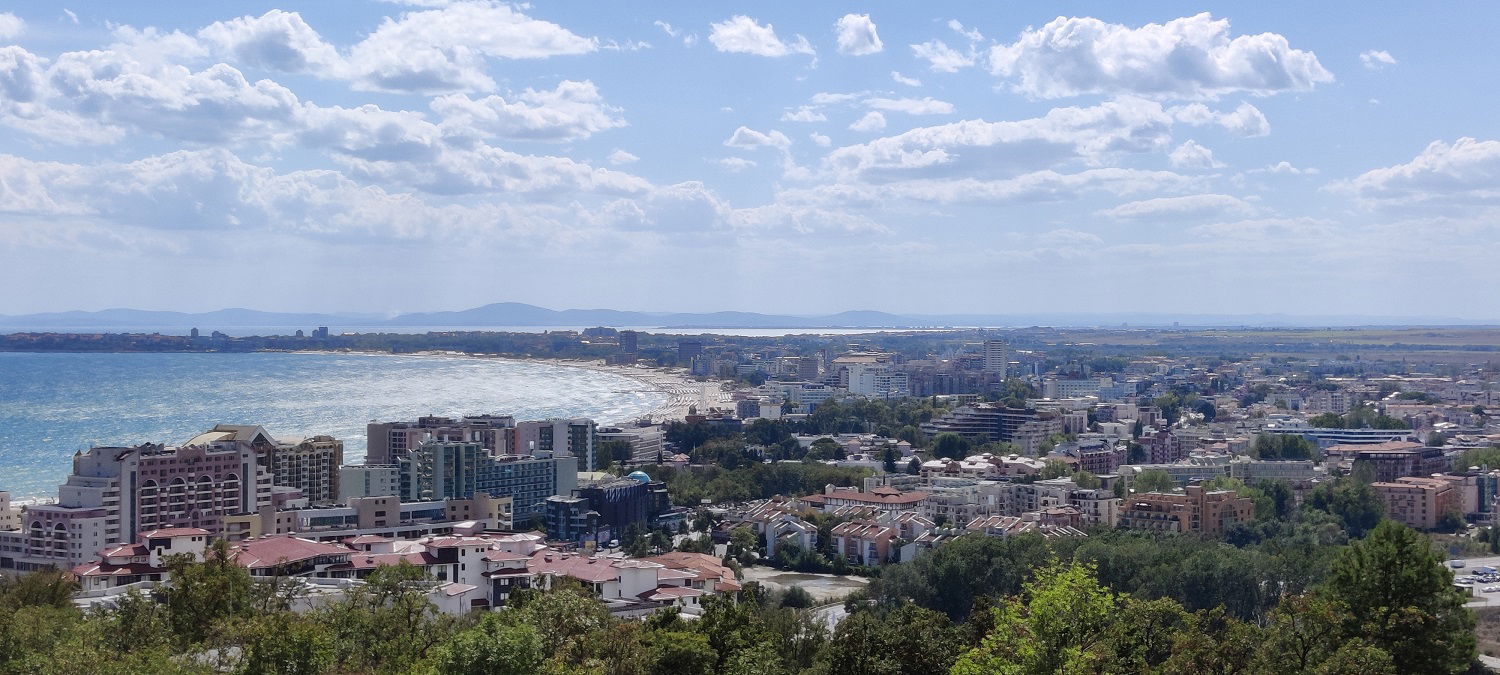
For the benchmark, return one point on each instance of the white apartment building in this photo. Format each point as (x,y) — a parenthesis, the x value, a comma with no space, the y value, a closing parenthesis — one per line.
(995,357)
(368,480)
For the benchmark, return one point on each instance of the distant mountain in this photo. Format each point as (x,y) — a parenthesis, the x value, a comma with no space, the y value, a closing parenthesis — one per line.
(521,314)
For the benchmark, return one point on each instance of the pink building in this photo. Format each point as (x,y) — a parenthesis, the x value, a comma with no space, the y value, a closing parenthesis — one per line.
(116,493)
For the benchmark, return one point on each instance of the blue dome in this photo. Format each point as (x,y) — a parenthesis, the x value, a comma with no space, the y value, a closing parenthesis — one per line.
(640,476)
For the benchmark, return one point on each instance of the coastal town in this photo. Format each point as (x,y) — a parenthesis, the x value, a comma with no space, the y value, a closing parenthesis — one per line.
(1018,443)
(488,337)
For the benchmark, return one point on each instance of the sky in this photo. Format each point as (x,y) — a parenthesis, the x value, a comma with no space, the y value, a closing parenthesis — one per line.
(787,157)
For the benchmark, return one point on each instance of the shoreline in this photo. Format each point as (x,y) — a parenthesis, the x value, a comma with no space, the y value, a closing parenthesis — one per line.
(682,390)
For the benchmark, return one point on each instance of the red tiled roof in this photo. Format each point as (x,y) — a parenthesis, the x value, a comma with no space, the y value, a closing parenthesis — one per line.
(368,561)
(367,539)
(103,570)
(670,593)
(580,567)
(497,555)
(283,549)
(869,497)
(175,532)
(125,550)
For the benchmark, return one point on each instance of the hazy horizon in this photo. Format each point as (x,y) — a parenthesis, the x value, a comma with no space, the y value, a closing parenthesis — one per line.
(1077,158)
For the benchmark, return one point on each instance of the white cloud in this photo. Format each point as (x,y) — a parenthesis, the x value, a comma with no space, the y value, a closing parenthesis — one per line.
(820,139)
(902,79)
(1190,155)
(571,111)
(72,16)
(740,34)
(735,164)
(978,146)
(857,36)
(369,133)
(11,26)
(444,49)
(942,58)
(1038,186)
(275,40)
(1180,208)
(804,114)
(1190,57)
(1246,120)
(213,189)
(912,106)
(667,28)
(619,157)
(830,98)
(1376,59)
(972,34)
(1287,168)
(213,105)
(1463,173)
(872,121)
(745,137)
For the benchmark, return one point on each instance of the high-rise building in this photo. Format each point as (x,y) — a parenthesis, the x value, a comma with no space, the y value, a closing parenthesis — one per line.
(388,441)
(561,437)
(10,517)
(995,357)
(438,470)
(368,480)
(310,465)
(629,342)
(687,350)
(1027,429)
(807,368)
(116,493)
(601,510)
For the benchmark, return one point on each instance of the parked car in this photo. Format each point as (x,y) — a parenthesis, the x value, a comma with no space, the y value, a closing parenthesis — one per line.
(1491,589)
(1457,564)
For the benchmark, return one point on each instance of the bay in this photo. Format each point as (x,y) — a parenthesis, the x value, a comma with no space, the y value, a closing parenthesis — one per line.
(55,404)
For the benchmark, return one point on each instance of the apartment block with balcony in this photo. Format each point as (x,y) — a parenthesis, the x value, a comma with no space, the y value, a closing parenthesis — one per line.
(1197,511)
(1421,502)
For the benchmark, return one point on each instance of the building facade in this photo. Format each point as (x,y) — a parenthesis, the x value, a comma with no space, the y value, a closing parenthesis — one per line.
(1198,511)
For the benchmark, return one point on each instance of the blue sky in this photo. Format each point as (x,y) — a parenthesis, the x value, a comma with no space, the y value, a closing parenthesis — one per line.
(782,157)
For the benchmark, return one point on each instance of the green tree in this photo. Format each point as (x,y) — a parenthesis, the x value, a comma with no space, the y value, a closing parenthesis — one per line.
(908,639)
(611,453)
(1060,623)
(566,617)
(200,595)
(914,467)
(43,588)
(1055,469)
(797,597)
(1283,446)
(1153,480)
(386,623)
(1394,590)
(280,642)
(949,445)
(1356,505)
(681,653)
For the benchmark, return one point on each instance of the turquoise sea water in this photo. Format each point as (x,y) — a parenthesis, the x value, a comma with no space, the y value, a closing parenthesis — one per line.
(52,405)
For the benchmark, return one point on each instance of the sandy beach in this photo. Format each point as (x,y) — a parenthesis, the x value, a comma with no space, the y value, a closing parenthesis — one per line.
(683,390)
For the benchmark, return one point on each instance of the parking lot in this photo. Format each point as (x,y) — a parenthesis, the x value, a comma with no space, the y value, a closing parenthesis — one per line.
(1477,575)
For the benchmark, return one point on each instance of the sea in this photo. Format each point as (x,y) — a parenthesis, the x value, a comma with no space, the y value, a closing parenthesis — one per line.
(55,404)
